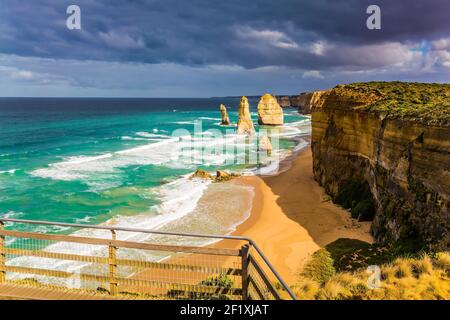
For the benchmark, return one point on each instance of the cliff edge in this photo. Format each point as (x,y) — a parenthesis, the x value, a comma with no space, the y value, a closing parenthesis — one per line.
(382,149)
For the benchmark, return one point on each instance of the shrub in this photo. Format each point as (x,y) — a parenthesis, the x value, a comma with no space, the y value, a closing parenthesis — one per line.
(221,280)
(320,268)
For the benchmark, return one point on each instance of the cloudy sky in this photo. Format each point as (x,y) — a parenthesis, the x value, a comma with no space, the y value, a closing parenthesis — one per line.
(202,48)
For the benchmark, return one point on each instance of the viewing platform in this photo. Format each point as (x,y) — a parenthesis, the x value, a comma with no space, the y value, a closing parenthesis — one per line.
(108,264)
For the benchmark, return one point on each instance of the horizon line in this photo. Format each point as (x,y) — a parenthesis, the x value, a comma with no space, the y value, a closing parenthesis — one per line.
(125,97)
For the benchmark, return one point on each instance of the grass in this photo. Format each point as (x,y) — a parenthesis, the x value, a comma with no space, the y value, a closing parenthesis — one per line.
(428,103)
(352,254)
(402,276)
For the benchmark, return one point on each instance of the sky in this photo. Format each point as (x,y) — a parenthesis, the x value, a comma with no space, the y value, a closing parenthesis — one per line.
(205,48)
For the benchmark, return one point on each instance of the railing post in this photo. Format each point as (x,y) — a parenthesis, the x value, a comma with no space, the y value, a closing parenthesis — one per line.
(2,256)
(244,257)
(113,285)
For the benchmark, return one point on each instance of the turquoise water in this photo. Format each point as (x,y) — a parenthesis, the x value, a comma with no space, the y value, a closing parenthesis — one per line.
(96,160)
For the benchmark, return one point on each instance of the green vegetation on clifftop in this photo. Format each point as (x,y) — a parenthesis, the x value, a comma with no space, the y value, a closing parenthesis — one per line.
(424,102)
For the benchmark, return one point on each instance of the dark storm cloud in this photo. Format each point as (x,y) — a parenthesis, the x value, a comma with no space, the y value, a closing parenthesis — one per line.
(307,34)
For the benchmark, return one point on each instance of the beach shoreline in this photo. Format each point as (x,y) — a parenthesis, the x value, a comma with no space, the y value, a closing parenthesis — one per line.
(291,217)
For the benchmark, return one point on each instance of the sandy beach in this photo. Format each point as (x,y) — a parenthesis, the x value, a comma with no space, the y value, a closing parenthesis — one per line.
(291,217)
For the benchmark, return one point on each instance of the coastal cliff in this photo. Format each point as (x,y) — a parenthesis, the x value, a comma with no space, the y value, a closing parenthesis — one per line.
(383,151)
(303,102)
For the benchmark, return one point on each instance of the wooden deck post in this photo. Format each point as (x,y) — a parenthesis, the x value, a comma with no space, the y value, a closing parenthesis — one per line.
(2,256)
(113,285)
(245,261)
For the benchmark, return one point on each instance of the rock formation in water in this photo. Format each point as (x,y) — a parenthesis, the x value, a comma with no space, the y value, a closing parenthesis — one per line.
(245,123)
(220,175)
(284,101)
(269,111)
(383,150)
(223,176)
(224,115)
(264,144)
(201,174)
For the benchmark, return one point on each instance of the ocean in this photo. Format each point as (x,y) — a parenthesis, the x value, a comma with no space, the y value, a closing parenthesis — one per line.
(119,161)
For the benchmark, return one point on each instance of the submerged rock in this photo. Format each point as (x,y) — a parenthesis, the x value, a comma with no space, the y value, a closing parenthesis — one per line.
(269,111)
(225,120)
(265,144)
(245,123)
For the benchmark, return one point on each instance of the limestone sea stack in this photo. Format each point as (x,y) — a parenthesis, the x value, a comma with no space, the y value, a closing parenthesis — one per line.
(225,120)
(269,111)
(284,101)
(245,123)
(265,144)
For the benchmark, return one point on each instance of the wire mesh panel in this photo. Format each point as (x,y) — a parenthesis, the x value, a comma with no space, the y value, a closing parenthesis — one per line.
(182,276)
(107,263)
(55,263)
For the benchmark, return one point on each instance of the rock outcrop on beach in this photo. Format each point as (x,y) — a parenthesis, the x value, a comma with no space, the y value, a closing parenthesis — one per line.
(383,150)
(225,121)
(264,144)
(269,111)
(221,175)
(245,123)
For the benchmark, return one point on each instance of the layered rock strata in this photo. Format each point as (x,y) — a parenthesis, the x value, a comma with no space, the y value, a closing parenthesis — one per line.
(365,137)
(269,111)
(245,123)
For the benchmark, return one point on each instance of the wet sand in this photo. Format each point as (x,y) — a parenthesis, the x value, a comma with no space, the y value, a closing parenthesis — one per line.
(291,217)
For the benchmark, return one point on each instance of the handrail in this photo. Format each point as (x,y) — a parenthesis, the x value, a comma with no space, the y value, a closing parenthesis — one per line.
(183,234)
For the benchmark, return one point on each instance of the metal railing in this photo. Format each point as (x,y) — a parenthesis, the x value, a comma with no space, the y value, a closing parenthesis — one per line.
(154,265)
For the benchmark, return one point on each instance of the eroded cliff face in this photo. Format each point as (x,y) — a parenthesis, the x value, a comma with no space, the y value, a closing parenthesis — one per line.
(305,101)
(406,164)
